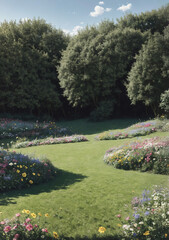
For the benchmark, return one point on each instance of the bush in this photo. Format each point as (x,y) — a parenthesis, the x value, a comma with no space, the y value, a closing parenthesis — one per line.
(149,155)
(103,111)
(164,104)
(19,171)
(149,218)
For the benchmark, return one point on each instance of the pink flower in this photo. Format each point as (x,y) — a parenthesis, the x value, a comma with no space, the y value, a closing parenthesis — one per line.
(18,215)
(29,227)
(36,225)
(7,229)
(27,220)
(119,216)
(45,230)
(2,222)
(15,227)
(127,218)
(16,236)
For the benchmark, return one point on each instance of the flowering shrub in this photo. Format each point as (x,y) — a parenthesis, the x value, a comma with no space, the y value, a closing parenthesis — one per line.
(24,226)
(147,155)
(149,217)
(139,129)
(10,128)
(18,171)
(50,140)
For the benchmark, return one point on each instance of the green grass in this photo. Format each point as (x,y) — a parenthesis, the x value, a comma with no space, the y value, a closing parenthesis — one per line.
(88,193)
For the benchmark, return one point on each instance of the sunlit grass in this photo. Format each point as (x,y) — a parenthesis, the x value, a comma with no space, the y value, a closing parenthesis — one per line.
(89,193)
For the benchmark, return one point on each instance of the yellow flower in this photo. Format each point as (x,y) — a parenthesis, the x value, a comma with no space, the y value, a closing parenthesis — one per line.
(33,173)
(38,175)
(30,181)
(46,215)
(33,215)
(17,165)
(22,179)
(39,214)
(20,166)
(24,174)
(165,235)
(26,167)
(102,229)
(23,211)
(27,211)
(18,171)
(146,233)
(55,235)
(119,225)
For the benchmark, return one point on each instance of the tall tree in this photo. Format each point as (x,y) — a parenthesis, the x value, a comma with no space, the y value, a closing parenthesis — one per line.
(148,77)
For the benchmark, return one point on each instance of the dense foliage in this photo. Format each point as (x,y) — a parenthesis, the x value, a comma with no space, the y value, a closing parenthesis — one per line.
(148,78)
(164,104)
(44,71)
(29,53)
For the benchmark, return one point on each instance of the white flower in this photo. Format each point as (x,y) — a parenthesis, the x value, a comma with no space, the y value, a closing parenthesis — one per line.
(131,229)
(11,164)
(155,198)
(168,213)
(163,215)
(42,236)
(135,225)
(126,227)
(140,223)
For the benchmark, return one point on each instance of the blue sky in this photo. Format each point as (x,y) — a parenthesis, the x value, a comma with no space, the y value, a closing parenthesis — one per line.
(72,15)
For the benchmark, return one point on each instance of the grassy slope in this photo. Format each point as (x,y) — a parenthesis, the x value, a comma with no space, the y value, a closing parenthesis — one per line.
(89,193)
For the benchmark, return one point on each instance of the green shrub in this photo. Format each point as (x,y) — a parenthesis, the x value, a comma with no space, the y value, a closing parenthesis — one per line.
(103,111)
(164,104)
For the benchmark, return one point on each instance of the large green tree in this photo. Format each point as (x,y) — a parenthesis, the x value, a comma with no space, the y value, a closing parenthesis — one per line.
(30,52)
(96,62)
(149,75)
(153,21)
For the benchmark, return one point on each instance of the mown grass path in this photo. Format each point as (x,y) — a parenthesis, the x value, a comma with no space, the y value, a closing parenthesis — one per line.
(88,193)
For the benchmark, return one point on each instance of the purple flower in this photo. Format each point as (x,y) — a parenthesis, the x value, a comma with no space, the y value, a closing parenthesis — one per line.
(136,216)
(146,213)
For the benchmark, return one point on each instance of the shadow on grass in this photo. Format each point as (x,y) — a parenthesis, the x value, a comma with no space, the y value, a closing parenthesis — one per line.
(84,126)
(62,181)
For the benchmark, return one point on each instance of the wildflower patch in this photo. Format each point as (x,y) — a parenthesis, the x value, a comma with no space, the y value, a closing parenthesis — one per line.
(50,140)
(149,217)
(19,171)
(148,155)
(136,130)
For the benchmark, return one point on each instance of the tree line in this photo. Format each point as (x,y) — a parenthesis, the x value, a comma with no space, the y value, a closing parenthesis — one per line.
(99,72)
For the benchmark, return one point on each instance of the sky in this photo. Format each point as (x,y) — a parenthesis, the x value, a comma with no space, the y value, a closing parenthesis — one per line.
(73,15)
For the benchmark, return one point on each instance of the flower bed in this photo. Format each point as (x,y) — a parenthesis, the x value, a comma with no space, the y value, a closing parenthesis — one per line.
(149,217)
(50,140)
(20,171)
(25,225)
(148,155)
(10,128)
(139,129)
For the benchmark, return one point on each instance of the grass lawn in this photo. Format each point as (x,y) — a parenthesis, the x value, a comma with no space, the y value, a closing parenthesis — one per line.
(88,194)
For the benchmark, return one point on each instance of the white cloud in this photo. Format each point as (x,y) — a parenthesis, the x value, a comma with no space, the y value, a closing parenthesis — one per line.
(75,30)
(97,11)
(125,7)
(81,23)
(107,9)
(101,3)
(24,19)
